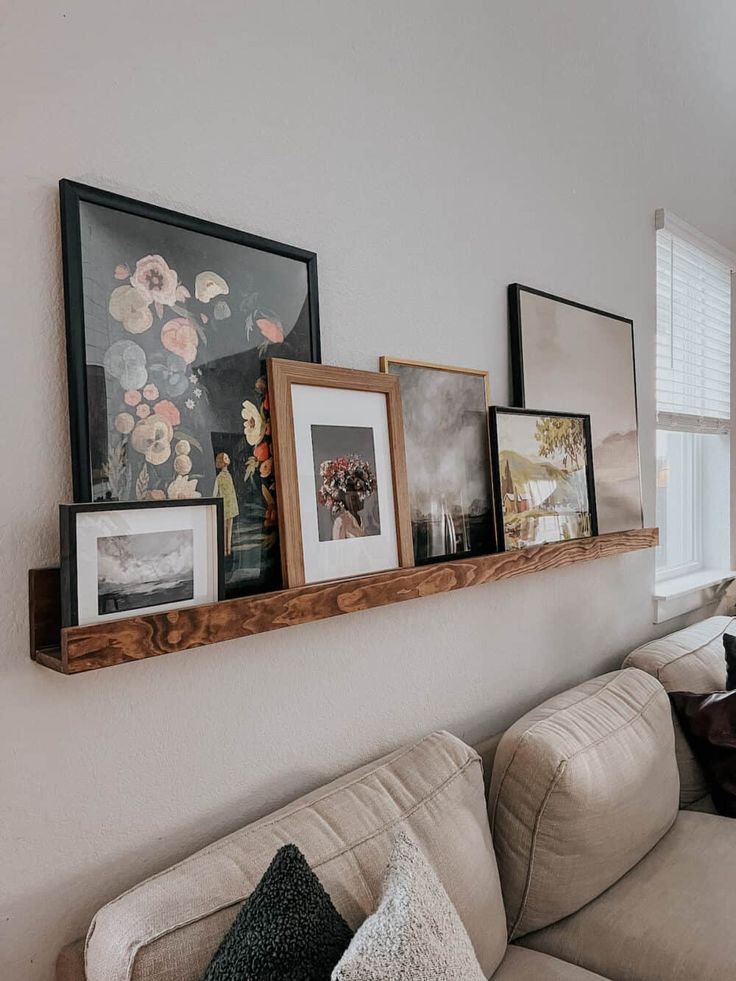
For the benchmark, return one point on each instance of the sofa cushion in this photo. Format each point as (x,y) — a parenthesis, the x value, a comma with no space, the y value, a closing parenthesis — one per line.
(668,919)
(709,723)
(688,660)
(287,928)
(414,933)
(582,788)
(168,927)
(521,964)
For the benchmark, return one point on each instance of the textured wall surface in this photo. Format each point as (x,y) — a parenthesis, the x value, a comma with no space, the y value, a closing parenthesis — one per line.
(430,152)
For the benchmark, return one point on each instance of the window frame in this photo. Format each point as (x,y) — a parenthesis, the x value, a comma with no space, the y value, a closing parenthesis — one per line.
(677,228)
(664,573)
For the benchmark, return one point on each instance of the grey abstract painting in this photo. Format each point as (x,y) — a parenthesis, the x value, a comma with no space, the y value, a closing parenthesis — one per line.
(143,570)
(572,358)
(445,414)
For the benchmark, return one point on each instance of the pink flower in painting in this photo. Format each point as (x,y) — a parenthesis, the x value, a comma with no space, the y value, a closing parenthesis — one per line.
(150,392)
(168,411)
(122,271)
(154,280)
(132,397)
(271,329)
(152,438)
(180,337)
(143,411)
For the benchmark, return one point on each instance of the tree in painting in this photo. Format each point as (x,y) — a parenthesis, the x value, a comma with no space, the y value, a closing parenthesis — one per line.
(544,479)
(564,437)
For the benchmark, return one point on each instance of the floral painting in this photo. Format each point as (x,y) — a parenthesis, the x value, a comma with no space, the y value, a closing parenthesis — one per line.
(174,328)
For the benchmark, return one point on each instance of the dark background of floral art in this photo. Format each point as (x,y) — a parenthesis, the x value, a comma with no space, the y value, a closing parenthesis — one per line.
(198,373)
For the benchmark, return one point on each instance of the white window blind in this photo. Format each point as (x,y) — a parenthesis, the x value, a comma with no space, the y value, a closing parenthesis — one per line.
(693,334)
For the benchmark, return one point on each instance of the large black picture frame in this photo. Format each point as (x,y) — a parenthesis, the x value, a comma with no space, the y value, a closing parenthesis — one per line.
(620,505)
(494,412)
(74,196)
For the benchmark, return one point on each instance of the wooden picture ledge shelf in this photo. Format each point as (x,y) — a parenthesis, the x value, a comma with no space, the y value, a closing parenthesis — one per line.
(74,649)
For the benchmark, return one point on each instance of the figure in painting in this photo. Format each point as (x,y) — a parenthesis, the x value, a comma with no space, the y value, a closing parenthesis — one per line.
(347,482)
(225,488)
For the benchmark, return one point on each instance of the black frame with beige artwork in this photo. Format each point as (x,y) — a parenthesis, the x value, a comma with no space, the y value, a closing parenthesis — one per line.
(581,360)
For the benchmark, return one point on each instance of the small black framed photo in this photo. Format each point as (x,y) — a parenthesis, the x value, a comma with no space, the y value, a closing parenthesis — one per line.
(129,558)
(544,489)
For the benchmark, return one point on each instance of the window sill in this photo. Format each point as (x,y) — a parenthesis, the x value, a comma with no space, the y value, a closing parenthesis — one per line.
(673,597)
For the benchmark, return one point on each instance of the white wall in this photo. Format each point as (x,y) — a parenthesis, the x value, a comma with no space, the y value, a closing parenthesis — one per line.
(430,153)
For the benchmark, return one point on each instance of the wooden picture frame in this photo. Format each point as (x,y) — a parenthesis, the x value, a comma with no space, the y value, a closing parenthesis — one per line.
(385,362)
(499,479)
(448,458)
(283,377)
(217,302)
(152,525)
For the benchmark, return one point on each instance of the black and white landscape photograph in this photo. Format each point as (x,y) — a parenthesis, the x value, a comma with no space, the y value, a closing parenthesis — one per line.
(144,570)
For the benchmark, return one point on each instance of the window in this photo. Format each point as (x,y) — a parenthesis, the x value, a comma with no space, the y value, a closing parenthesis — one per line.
(693,402)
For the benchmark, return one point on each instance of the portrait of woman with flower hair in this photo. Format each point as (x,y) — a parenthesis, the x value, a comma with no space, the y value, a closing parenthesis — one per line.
(345,479)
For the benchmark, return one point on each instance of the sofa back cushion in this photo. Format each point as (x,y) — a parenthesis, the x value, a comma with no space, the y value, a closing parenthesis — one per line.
(168,927)
(582,788)
(688,660)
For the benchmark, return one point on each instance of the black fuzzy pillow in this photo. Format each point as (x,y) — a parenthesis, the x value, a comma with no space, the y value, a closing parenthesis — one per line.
(286,930)
(729,646)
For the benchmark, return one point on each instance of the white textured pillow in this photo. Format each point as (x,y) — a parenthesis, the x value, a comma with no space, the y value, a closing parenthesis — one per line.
(415,932)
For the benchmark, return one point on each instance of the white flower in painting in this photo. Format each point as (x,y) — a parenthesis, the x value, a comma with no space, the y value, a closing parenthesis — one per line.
(253,425)
(131,309)
(198,392)
(189,403)
(154,280)
(193,379)
(183,489)
(208,285)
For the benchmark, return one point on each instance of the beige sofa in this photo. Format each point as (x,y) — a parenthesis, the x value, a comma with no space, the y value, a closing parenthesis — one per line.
(596,871)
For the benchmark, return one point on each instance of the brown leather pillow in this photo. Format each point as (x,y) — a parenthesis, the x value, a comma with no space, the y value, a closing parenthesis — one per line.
(709,723)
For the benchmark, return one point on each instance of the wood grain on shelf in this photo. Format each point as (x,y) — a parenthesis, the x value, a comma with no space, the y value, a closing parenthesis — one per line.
(101,645)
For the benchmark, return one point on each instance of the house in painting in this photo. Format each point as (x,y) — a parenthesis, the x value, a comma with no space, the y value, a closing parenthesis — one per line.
(513,501)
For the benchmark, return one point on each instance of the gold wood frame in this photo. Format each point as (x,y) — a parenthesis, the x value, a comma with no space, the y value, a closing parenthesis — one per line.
(282,375)
(386,361)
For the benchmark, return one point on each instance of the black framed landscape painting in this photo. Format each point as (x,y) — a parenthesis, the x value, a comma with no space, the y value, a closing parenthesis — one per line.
(543,474)
(579,359)
(169,321)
